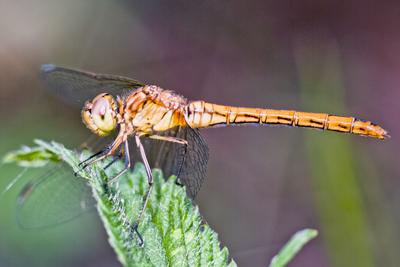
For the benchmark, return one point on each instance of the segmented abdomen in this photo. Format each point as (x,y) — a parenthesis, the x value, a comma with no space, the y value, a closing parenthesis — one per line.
(202,114)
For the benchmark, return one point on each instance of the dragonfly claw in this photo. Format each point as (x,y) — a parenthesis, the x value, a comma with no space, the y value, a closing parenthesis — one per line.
(140,238)
(81,168)
(178,182)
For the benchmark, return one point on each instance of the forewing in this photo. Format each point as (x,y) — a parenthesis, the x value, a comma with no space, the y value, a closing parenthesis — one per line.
(52,198)
(78,86)
(188,165)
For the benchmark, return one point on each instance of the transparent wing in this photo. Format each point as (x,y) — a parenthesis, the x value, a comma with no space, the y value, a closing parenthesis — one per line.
(190,165)
(78,86)
(195,162)
(52,198)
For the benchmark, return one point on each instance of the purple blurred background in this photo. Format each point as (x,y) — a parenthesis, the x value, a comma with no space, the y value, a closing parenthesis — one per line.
(263,183)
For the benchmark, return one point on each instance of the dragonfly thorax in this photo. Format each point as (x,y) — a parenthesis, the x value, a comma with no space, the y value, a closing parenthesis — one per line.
(152,109)
(99,115)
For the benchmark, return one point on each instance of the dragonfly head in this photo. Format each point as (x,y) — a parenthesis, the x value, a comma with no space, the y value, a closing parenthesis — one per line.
(99,115)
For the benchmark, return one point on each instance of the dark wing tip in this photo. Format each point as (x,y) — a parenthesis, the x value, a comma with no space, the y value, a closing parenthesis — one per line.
(47,68)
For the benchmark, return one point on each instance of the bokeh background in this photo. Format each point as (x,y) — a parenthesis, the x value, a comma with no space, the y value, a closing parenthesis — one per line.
(264,183)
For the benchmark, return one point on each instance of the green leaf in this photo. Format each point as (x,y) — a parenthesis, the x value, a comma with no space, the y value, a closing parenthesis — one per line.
(333,164)
(172,228)
(37,156)
(294,245)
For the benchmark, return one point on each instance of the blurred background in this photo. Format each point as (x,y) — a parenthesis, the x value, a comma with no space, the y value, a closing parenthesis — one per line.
(263,183)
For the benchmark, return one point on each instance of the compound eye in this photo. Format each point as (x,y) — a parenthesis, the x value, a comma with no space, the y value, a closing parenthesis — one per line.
(103,115)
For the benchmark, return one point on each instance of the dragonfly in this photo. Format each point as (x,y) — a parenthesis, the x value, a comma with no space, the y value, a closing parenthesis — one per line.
(163,127)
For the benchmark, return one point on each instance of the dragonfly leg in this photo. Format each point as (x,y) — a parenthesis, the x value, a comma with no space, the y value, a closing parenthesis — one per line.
(178,182)
(87,161)
(135,229)
(174,140)
(115,159)
(150,183)
(107,151)
(169,139)
(127,163)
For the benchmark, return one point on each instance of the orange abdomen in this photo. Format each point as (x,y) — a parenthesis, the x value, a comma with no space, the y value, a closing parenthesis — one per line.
(202,114)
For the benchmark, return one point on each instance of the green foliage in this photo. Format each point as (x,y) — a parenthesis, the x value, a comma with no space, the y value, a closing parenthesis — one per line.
(334,175)
(293,246)
(172,228)
(31,156)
